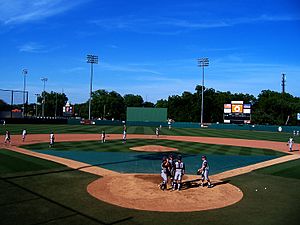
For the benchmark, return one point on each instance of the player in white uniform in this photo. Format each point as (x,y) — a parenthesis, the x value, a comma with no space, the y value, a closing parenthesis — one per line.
(24,133)
(290,144)
(157,132)
(204,170)
(179,167)
(52,138)
(7,137)
(124,134)
(170,123)
(103,136)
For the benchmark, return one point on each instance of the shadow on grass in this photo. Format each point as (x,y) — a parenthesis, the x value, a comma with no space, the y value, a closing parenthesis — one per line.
(73,210)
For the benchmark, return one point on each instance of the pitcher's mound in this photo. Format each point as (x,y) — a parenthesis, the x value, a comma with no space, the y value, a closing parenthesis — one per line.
(153,148)
(141,191)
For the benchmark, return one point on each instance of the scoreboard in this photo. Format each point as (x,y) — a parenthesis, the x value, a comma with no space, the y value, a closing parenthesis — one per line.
(237,112)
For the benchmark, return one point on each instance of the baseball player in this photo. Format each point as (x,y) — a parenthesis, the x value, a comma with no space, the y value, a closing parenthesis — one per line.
(124,134)
(171,169)
(290,144)
(24,133)
(103,136)
(52,138)
(157,132)
(164,173)
(204,170)
(7,137)
(179,172)
(170,123)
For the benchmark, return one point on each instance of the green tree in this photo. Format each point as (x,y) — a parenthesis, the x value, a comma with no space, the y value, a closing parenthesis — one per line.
(162,103)
(274,108)
(131,100)
(148,104)
(54,103)
(107,105)
(4,106)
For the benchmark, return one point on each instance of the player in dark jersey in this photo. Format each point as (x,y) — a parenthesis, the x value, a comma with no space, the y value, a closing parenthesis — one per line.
(171,169)
(164,173)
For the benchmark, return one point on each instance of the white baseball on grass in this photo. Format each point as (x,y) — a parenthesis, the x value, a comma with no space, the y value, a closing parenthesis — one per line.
(256,190)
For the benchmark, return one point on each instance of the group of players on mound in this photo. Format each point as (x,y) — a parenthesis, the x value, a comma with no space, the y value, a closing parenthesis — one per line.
(172,170)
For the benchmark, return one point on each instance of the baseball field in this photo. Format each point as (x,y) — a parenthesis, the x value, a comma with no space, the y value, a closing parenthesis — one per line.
(83,181)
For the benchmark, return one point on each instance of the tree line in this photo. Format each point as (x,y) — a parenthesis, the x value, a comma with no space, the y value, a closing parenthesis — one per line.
(269,107)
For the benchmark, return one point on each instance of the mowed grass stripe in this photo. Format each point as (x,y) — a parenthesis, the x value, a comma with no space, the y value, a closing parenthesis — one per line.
(184,147)
(11,162)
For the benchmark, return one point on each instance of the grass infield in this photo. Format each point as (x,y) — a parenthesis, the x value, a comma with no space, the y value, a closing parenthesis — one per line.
(183,147)
(60,197)
(116,156)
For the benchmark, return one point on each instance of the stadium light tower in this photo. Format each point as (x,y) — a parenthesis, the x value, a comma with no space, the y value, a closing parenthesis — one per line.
(25,72)
(92,59)
(36,104)
(44,79)
(202,62)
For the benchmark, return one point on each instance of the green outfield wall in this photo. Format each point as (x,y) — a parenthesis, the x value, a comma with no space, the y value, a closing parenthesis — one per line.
(139,114)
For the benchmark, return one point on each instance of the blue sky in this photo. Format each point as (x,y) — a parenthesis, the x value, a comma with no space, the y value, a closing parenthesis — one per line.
(150,47)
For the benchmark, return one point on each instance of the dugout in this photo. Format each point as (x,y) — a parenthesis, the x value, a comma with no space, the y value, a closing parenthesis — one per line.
(141,114)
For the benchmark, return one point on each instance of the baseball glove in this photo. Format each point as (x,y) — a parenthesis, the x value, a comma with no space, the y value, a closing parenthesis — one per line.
(199,171)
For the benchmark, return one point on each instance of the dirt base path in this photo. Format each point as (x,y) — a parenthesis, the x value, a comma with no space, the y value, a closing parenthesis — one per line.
(140,191)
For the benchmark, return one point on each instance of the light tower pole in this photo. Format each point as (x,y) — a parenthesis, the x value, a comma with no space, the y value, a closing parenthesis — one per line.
(44,79)
(36,104)
(25,72)
(202,62)
(283,82)
(92,59)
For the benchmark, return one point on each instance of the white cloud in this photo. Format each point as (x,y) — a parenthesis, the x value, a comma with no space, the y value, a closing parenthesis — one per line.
(32,47)
(22,11)
(169,26)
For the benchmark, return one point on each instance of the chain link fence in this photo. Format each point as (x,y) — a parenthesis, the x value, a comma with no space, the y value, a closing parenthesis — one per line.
(13,103)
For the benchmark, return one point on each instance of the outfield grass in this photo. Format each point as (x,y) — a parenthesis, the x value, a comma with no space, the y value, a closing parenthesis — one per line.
(12,163)
(205,132)
(61,198)
(183,147)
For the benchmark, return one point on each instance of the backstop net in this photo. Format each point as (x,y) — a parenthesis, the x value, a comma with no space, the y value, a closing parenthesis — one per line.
(13,103)
(139,114)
